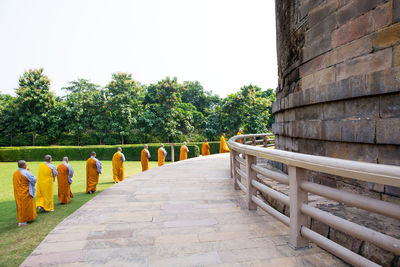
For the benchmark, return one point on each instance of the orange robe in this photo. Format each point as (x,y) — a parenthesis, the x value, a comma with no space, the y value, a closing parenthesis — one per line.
(92,176)
(161,157)
(64,187)
(223,146)
(45,189)
(239,140)
(144,159)
(205,149)
(118,167)
(25,205)
(183,153)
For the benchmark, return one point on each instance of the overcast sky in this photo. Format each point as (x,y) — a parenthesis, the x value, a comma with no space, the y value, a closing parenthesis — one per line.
(224,44)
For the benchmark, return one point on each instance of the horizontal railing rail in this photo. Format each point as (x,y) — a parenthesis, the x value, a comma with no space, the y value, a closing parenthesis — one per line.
(245,171)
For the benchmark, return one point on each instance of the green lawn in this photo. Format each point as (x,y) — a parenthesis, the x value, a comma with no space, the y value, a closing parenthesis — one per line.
(16,243)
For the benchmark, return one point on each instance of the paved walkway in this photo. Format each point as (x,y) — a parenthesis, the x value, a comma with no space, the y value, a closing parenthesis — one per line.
(182,214)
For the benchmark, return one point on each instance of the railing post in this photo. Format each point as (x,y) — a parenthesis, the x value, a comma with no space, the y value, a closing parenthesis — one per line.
(265,138)
(297,198)
(232,163)
(234,173)
(251,175)
(253,141)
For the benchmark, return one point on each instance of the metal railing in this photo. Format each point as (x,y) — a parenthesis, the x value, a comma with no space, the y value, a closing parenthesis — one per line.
(245,155)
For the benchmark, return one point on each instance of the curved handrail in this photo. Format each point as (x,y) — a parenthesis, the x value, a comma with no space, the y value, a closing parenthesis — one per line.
(369,172)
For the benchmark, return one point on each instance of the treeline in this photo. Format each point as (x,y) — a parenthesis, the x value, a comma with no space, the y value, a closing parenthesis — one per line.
(127,112)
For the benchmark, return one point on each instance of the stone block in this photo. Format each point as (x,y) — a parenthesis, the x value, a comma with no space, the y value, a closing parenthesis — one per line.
(391,199)
(345,240)
(362,25)
(325,25)
(354,49)
(313,65)
(322,11)
(306,6)
(313,112)
(365,64)
(356,8)
(359,130)
(310,146)
(322,93)
(386,37)
(318,47)
(321,77)
(396,55)
(389,154)
(392,190)
(365,107)
(319,227)
(388,131)
(351,151)
(392,80)
(357,85)
(334,110)
(380,188)
(375,83)
(376,254)
(389,106)
(331,130)
(396,12)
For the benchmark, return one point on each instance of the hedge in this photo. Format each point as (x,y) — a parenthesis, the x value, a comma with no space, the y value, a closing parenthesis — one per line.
(131,152)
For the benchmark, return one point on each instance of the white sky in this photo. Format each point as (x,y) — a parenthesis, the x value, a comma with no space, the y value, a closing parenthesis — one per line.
(224,44)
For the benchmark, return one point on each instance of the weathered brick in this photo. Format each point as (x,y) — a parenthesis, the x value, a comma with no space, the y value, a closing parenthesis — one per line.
(358,130)
(310,146)
(306,6)
(365,107)
(334,110)
(396,11)
(392,190)
(322,11)
(322,93)
(314,65)
(277,128)
(318,47)
(313,112)
(357,85)
(331,130)
(389,154)
(396,56)
(385,81)
(389,106)
(354,49)
(318,78)
(356,8)
(386,37)
(325,25)
(358,27)
(387,131)
(351,151)
(365,64)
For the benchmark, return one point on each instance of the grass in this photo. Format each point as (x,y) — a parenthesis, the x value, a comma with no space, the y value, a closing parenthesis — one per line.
(16,243)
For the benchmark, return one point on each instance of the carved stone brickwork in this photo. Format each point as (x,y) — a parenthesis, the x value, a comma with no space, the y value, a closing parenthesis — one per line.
(339,80)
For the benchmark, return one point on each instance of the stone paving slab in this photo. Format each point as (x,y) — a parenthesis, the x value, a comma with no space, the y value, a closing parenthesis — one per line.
(181,214)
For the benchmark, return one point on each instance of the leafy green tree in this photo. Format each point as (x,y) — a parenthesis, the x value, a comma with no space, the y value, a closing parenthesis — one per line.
(123,103)
(34,101)
(9,125)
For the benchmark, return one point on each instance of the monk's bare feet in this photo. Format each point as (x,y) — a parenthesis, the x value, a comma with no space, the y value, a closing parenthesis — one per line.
(40,208)
(22,224)
(90,192)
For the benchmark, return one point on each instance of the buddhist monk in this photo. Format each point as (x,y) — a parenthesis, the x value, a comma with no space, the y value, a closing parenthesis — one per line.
(24,191)
(183,152)
(118,165)
(223,147)
(205,148)
(144,158)
(45,181)
(93,170)
(162,154)
(239,133)
(64,179)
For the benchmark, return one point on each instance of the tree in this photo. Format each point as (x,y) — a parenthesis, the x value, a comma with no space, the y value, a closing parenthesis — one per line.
(9,125)
(123,103)
(34,101)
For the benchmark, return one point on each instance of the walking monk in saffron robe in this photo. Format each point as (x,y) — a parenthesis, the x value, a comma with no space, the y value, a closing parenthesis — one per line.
(93,169)
(162,154)
(118,165)
(144,158)
(45,181)
(64,179)
(183,152)
(24,191)
(223,147)
(239,133)
(205,148)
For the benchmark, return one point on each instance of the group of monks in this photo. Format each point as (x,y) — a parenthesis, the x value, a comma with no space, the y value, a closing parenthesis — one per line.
(26,184)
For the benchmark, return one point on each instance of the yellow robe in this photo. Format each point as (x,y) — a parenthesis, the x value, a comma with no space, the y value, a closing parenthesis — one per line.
(239,140)
(161,157)
(92,176)
(144,159)
(64,187)
(205,149)
(183,153)
(118,167)
(223,147)
(44,194)
(25,205)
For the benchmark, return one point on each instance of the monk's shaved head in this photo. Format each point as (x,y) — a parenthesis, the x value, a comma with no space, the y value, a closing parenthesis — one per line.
(184,143)
(119,149)
(65,159)
(162,145)
(21,163)
(93,154)
(47,158)
(146,146)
